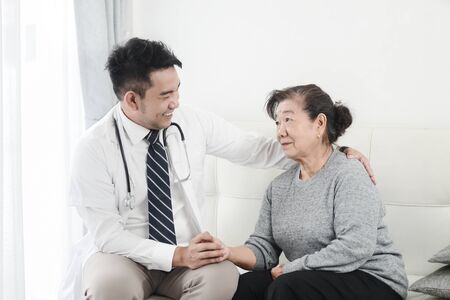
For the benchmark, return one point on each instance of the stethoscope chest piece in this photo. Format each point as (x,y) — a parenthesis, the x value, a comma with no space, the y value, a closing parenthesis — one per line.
(129,201)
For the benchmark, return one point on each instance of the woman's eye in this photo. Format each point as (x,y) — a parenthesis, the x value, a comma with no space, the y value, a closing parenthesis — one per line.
(277,123)
(287,119)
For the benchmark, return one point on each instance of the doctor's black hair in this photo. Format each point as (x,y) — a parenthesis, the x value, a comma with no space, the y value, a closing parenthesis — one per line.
(314,101)
(129,65)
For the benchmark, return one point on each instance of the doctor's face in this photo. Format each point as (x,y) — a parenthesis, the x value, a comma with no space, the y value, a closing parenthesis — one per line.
(156,108)
(296,132)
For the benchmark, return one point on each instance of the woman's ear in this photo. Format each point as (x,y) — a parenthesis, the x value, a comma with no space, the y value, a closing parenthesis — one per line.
(321,121)
(130,100)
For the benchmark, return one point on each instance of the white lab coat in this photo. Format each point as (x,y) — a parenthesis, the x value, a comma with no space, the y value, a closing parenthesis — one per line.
(204,134)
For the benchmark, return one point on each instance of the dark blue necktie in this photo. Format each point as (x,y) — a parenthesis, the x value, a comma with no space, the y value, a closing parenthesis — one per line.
(160,215)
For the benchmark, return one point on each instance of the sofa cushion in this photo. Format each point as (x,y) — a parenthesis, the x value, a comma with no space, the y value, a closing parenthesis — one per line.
(442,256)
(436,284)
(156,297)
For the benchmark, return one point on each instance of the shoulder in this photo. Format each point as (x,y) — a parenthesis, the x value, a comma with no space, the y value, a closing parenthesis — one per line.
(188,116)
(97,137)
(284,180)
(205,122)
(189,113)
(349,174)
(342,166)
(194,116)
(280,184)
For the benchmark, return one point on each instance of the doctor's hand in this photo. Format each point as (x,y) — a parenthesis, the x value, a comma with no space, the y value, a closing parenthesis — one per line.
(353,153)
(203,249)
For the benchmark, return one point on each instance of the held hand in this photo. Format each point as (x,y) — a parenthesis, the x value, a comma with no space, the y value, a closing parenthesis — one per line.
(227,253)
(203,249)
(277,271)
(352,153)
(241,256)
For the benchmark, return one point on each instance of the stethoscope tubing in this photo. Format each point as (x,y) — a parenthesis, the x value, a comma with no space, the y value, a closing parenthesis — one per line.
(125,165)
(165,136)
(122,153)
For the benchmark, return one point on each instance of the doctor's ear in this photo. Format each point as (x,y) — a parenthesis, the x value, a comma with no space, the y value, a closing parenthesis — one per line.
(130,100)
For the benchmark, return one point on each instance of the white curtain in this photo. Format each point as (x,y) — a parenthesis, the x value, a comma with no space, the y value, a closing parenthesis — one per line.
(101,24)
(11,234)
(40,120)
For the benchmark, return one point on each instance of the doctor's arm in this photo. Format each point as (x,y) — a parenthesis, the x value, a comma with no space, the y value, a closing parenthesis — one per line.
(92,192)
(112,238)
(107,230)
(227,141)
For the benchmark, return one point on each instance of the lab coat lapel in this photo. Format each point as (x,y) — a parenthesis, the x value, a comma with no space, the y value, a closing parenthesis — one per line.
(179,165)
(192,204)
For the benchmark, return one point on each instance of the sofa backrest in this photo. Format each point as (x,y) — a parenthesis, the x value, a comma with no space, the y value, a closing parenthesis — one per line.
(412,167)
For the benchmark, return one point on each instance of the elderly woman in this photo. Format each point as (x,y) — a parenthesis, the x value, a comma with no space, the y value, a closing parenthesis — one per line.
(324,214)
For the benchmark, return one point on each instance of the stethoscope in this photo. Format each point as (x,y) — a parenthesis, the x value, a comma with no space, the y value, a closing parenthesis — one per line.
(130,198)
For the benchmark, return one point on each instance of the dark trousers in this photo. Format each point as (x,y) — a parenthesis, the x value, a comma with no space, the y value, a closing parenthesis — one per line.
(313,285)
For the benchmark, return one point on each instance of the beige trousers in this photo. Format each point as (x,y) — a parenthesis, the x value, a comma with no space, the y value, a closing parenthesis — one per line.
(115,277)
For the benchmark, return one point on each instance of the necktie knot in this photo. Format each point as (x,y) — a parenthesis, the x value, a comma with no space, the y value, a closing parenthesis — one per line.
(152,136)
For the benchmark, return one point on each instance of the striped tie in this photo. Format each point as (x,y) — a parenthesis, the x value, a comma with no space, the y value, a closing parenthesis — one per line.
(160,216)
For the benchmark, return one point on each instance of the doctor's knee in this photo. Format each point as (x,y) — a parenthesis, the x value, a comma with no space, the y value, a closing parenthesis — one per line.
(216,281)
(112,277)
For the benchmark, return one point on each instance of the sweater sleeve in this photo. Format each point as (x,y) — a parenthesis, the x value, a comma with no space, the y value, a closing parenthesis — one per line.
(261,242)
(357,209)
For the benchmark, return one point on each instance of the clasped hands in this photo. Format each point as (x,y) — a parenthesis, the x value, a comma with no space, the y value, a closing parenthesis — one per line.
(205,249)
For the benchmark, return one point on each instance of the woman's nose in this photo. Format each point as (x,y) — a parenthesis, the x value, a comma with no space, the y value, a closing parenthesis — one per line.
(281,131)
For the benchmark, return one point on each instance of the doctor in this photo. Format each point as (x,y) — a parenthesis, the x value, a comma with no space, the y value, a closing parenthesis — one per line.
(139,189)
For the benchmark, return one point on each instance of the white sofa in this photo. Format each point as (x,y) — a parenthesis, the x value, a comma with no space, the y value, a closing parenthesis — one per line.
(412,167)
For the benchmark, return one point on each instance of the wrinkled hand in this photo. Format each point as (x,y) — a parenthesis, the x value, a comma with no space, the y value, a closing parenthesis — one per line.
(352,153)
(203,249)
(277,271)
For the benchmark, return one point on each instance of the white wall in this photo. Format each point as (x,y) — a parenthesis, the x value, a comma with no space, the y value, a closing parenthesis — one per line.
(388,60)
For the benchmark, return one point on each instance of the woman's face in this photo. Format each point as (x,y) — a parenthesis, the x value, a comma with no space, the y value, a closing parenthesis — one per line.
(296,132)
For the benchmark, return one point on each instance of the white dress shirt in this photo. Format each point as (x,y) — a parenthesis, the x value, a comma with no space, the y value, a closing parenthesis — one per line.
(98,185)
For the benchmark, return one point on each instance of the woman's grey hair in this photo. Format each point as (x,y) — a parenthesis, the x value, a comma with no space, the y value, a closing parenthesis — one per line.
(315,101)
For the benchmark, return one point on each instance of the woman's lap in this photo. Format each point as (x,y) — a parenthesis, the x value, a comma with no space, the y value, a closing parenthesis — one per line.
(313,285)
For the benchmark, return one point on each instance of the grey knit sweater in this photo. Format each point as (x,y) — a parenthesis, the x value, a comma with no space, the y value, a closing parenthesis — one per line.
(330,222)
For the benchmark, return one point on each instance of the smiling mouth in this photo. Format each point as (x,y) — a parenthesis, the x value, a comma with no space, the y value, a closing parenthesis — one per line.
(168,114)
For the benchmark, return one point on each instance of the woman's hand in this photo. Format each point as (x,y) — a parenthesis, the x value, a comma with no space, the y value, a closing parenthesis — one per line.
(226,253)
(353,153)
(241,256)
(277,271)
